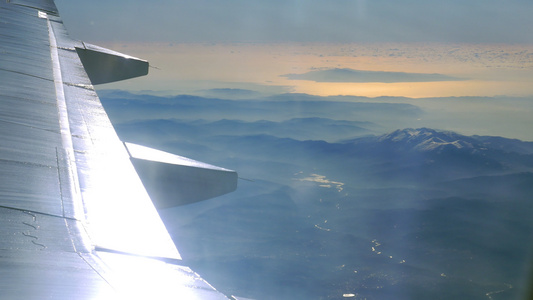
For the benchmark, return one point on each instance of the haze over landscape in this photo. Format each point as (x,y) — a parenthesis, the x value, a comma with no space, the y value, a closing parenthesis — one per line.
(385,149)
(331,206)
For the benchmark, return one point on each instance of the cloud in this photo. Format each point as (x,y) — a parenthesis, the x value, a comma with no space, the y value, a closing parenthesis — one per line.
(351,75)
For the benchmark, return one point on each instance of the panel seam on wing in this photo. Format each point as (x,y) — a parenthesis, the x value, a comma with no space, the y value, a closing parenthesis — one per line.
(66,134)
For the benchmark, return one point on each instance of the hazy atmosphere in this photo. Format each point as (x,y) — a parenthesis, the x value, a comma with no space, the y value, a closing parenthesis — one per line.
(384,148)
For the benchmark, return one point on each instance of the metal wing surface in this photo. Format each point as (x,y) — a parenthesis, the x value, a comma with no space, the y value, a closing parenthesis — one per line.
(75,219)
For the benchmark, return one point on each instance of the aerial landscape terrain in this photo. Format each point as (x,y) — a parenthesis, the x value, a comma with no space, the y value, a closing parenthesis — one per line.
(331,204)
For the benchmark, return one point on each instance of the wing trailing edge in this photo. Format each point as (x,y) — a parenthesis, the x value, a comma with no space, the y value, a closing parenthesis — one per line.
(173,180)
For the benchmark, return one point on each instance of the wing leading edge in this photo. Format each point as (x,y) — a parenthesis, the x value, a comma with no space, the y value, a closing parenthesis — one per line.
(76,221)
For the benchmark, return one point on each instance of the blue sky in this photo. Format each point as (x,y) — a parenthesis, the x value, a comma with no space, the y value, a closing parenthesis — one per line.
(488,21)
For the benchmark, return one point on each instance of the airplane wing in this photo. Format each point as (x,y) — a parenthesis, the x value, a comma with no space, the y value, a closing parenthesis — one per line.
(75,219)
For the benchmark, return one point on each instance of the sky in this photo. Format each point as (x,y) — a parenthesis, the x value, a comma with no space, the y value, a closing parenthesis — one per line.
(415,49)
(193,44)
(339,21)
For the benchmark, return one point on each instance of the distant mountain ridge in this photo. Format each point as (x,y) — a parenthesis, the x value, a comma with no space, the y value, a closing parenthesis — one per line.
(427,139)
(401,156)
(275,108)
(429,155)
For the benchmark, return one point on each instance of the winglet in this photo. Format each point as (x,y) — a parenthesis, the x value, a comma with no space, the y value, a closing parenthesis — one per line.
(173,180)
(103,65)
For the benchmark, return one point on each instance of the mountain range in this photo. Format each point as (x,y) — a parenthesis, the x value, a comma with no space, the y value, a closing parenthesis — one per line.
(333,205)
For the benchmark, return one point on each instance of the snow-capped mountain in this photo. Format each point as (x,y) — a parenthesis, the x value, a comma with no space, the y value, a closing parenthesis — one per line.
(424,154)
(425,139)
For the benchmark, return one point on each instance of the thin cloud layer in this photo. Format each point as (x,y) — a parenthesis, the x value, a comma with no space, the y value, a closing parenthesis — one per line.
(351,75)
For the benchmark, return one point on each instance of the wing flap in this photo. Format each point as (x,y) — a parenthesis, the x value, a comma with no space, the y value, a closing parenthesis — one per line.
(173,180)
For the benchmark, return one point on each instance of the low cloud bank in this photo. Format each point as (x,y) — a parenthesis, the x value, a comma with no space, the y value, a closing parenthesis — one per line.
(351,75)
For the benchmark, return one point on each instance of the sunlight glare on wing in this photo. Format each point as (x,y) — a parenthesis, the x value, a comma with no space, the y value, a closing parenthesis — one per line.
(143,278)
(121,215)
